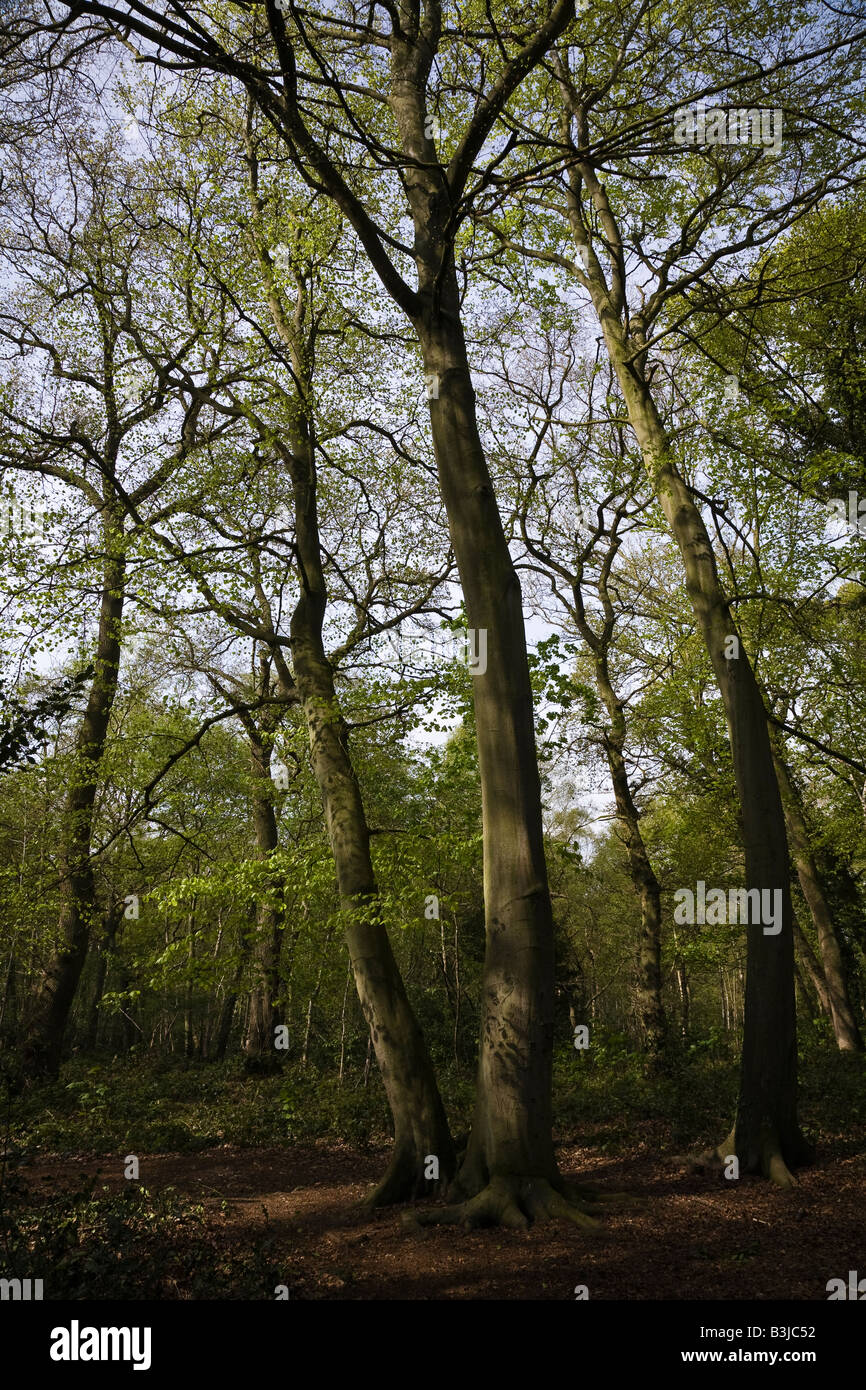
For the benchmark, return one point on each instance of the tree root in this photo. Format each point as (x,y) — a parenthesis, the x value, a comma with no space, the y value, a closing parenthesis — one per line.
(510,1202)
(776,1169)
(404,1181)
(769,1160)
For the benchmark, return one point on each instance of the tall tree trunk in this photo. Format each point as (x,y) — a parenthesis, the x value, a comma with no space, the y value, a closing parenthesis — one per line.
(112,922)
(420,1124)
(509,1173)
(649,994)
(813,969)
(269,916)
(766,1136)
(44,1041)
(510,1150)
(847,1033)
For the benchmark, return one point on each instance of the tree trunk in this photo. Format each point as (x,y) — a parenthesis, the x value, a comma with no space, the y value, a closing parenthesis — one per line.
(848,1038)
(112,922)
(649,993)
(224,1026)
(7,1007)
(343,1027)
(264,1017)
(44,1040)
(813,969)
(229,1004)
(509,1172)
(766,1136)
(307,1027)
(511,1144)
(420,1124)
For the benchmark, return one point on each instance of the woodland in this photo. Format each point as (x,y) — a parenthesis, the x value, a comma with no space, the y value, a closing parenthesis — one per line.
(432,648)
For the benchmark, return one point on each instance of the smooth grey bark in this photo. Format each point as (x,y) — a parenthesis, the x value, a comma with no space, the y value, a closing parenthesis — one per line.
(509,1173)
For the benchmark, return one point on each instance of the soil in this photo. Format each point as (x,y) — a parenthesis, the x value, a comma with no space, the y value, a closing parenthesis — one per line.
(672,1234)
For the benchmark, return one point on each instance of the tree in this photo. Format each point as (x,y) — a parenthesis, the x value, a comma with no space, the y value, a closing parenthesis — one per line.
(638,292)
(509,1172)
(71,323)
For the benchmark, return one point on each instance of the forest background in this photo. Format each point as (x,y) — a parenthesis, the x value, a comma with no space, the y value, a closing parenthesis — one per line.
(433,526)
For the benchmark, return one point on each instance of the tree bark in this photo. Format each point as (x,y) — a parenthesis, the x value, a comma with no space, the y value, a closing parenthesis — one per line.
(44,1040)
(420,1124)
(847,1033)
(111,925)
(264,1013)
(511,1138)
(649,991)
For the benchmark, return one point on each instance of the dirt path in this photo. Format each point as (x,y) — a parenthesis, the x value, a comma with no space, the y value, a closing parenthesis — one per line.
(676,1236)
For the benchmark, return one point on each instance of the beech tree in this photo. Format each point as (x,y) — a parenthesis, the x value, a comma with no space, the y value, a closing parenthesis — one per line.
(509,1172)
(640,292)
(286,430)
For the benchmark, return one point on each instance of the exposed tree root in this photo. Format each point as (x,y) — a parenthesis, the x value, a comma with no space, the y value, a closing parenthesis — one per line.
(511,1202)
(404,1181)
(776,1169)
(767,1160)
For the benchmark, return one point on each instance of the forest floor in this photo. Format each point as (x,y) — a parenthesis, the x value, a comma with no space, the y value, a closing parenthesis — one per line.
(676,1235)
